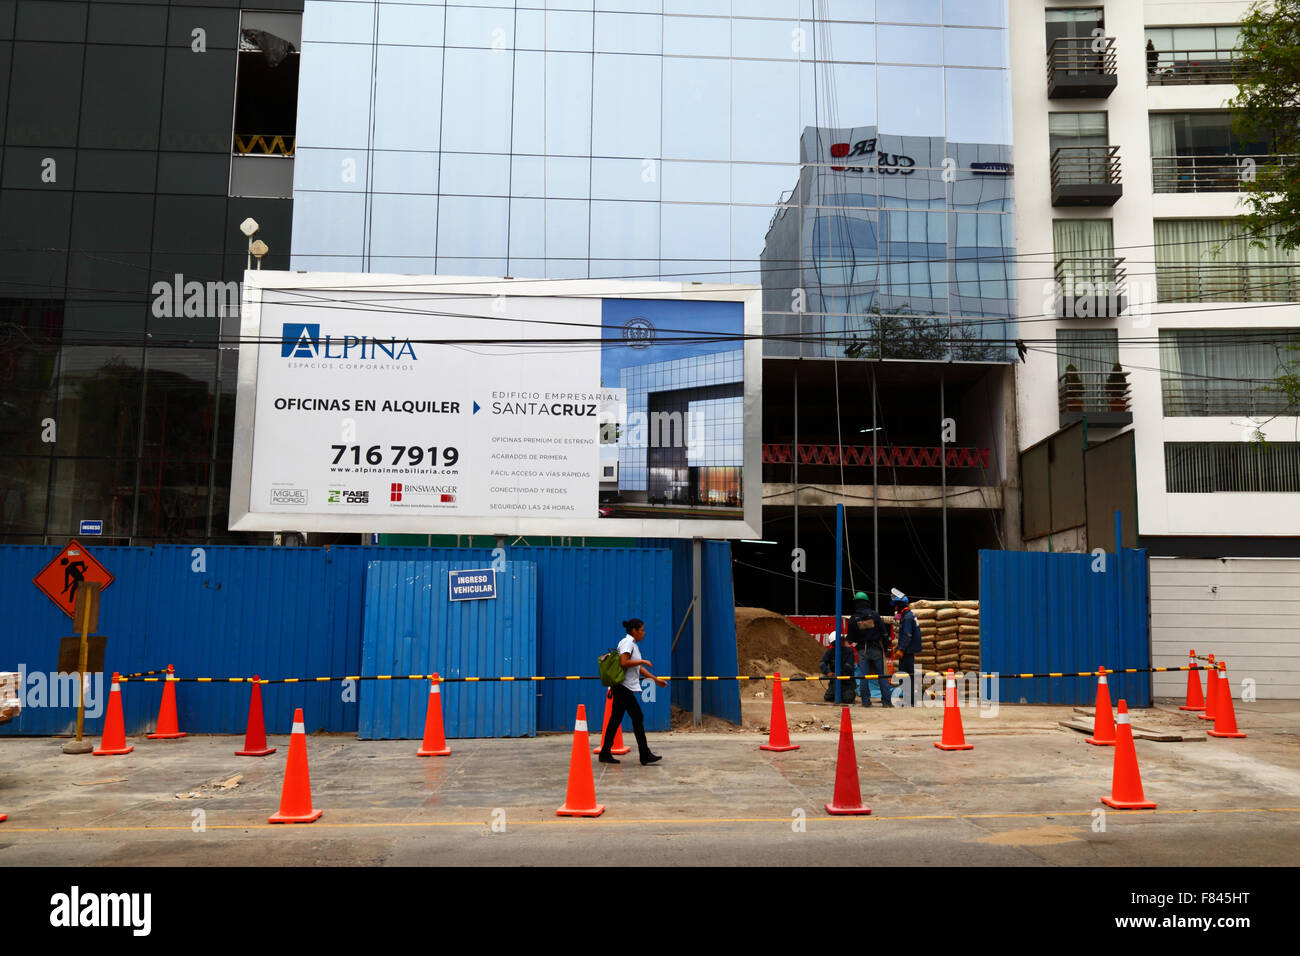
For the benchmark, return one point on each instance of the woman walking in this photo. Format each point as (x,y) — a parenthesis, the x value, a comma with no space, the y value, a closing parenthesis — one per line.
(625,702)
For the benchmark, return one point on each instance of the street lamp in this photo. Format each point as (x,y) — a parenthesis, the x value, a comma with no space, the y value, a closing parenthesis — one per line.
(249,228)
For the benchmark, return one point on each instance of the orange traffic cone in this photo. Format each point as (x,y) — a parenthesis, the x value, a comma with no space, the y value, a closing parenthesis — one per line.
(3,817)
(954,737)
(1103,723)
(1225,724)
(1195,701)
(580,798)
(114,740)
(847,798)
(1126,782)
(1211,691)
(255,735)
(168,726)
(619,747)
(778,734)
(435,742)
(295,797)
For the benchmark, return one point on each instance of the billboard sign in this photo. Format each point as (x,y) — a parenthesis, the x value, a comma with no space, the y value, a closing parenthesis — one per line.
(510,407)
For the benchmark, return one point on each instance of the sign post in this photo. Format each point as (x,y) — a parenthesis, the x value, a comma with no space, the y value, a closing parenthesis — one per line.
(86,616)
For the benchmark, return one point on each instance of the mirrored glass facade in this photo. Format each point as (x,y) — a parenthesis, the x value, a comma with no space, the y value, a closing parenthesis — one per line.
(676,140)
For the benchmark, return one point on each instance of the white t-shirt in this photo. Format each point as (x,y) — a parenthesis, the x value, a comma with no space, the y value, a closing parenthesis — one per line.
(632,675)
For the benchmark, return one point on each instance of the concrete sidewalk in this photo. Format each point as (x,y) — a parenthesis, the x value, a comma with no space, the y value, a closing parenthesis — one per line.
(1027,794)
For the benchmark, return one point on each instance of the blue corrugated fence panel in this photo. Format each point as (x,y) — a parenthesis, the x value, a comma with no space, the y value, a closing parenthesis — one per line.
(412,628)
(1059,612)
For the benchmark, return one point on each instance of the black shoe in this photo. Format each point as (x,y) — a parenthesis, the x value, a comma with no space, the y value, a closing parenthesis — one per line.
(653,758)
(866,703)
(889,703)
(604,758)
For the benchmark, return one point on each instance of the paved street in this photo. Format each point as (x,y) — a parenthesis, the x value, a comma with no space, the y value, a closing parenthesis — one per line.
(1027,794)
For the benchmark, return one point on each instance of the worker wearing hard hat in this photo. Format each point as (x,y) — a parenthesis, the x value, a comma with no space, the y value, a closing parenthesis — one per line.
(909,643)
(830,670)
(867,632)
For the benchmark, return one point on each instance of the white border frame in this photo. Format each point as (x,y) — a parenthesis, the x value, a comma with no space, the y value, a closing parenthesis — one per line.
(243,519)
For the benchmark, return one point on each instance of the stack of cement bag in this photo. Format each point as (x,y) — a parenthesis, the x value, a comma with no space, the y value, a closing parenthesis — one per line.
(950,634)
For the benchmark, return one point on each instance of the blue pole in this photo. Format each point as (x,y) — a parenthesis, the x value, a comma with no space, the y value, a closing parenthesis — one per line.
(839,594)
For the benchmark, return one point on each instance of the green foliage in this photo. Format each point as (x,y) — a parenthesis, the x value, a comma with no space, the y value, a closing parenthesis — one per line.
(907,334)
(1265,108)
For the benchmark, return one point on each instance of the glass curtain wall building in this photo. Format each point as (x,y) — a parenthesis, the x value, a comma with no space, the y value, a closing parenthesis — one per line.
(120,257)
(661,139)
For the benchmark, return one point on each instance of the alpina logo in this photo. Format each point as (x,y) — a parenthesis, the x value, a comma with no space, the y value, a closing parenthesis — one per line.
(303,340)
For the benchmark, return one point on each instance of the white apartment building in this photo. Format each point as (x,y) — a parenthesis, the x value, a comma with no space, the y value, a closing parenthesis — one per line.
(1128,178)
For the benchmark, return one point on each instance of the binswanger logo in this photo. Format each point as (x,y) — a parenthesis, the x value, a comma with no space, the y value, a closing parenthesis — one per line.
(303,340)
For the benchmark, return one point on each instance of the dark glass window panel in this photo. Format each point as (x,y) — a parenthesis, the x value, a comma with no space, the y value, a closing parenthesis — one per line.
(24,484)
(123,97)
(92,488)
(31,331)
(51,20)
(275,218)
(194,173)
(99,401)
(266,101)
(178,409)
(127,23)
(7,19)
(33,233)
(198,102)
(27,168)
(6,54)
(116,170)
(173,500)
(110,244)
(220,25)
(44,94)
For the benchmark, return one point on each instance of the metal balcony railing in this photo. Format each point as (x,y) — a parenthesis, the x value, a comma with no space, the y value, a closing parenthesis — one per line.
(1094,275)
(1081,67)
(1086,176)
(1190,397)
(1229,282)
(1182,67)
(1211,174)
(1103,396)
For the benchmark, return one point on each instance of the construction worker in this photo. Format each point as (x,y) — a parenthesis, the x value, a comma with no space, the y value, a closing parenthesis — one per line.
(829,669)
(867,632)
(909,643)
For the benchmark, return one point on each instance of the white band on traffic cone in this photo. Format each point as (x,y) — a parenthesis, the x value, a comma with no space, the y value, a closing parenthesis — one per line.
(299,729)
(434,688)
(1122,719)
(580,725)
(1101,679)
(952,682)
(114,689)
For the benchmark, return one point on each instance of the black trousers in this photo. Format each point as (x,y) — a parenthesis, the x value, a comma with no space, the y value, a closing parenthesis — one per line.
(625,702)
(907,665)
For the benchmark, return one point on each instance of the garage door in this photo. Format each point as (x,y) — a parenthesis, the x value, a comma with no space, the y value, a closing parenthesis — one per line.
(1244,610)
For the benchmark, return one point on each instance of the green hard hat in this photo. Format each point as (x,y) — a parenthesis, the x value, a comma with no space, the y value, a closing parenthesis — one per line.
(861,596)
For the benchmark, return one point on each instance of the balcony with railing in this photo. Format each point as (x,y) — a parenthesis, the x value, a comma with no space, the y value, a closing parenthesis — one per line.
(1081,68)
(1228,282)
(1212,174)
(1086,176)
(1184,67)
(1101,397)
(1088,288)
(1192,397)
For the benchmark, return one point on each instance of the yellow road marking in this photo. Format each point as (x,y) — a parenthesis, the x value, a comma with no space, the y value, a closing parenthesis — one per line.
(639,822)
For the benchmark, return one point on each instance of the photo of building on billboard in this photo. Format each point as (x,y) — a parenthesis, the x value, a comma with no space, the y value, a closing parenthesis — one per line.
(678,449)
(497,407)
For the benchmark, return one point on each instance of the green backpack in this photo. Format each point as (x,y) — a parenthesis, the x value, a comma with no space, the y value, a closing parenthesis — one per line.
(611,668)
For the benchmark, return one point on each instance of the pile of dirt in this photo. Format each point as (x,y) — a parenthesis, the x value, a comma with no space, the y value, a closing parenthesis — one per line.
(766,642)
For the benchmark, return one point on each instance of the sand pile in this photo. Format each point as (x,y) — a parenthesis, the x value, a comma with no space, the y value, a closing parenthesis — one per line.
(767,642)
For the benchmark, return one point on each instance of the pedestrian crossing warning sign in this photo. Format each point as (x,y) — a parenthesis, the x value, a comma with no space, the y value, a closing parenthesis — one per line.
(67,572)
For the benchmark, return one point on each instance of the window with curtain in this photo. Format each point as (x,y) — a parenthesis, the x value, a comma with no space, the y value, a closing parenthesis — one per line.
(1077,129)
(1088,239)
(1210,260)
(1207,372)
(1088,350)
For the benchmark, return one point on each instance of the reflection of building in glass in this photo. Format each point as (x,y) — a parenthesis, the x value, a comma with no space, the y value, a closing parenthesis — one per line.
(689,449)
(903,251)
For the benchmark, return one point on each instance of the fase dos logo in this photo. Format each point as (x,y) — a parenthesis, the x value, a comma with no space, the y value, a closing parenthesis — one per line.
(303,340)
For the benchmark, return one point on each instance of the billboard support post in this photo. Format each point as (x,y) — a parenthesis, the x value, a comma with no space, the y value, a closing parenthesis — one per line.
(697,626)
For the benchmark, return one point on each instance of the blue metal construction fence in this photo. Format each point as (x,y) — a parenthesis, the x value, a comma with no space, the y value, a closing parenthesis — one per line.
(281,612)
(1047,613)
